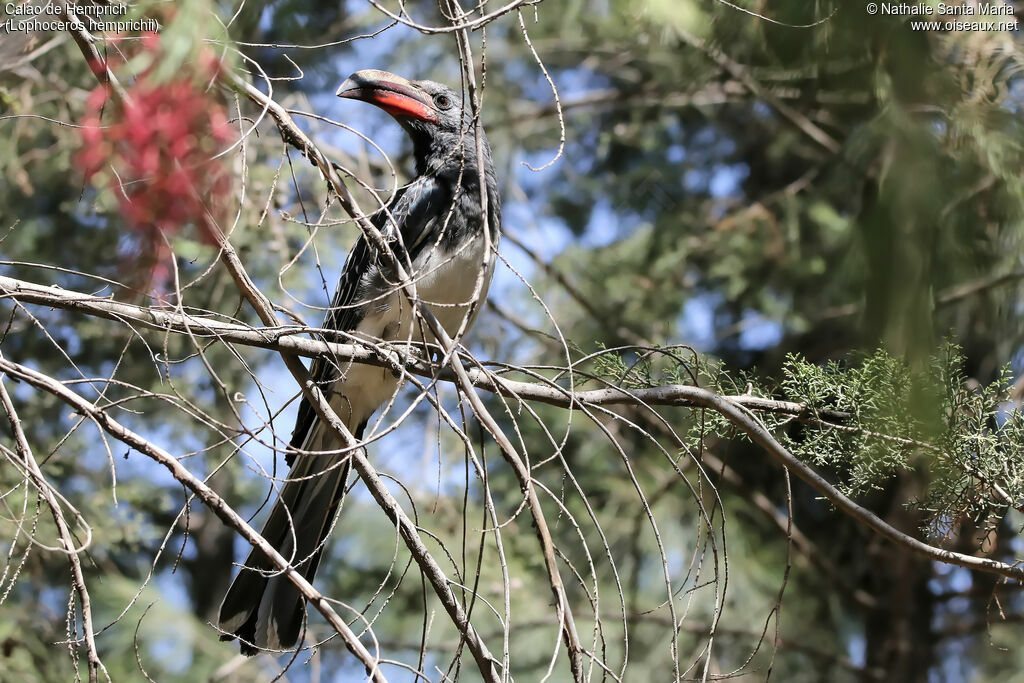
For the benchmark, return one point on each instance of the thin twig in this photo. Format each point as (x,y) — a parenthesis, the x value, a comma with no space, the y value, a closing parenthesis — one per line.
(67,541)
(209,497)
(737,409)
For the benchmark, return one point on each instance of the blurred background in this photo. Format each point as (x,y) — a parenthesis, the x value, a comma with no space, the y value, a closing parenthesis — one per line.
(817,181)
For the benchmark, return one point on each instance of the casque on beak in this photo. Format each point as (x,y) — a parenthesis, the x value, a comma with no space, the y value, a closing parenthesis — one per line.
(392,93)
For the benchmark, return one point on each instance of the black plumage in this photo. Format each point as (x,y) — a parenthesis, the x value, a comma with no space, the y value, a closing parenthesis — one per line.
(435,226)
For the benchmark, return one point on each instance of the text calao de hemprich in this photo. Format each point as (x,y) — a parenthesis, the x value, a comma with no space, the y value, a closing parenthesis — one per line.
(906,9)
(112,9)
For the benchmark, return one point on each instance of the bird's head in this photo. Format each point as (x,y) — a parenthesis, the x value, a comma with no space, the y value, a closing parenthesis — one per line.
(435,116)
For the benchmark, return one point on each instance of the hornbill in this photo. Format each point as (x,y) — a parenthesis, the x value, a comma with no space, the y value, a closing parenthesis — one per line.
(436,228)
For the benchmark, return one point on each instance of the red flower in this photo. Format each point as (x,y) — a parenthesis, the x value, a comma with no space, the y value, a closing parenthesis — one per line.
(161,143)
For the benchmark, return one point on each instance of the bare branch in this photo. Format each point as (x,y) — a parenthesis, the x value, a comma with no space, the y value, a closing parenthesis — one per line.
(737,409)
(209,497)
(67,541)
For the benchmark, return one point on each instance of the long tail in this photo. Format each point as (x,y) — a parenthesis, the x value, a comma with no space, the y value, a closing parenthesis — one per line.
(262,608)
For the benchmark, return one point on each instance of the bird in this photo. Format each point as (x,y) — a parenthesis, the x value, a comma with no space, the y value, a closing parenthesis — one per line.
(440,232)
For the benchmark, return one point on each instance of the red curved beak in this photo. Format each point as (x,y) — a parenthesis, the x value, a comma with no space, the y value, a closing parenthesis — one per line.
(392,93)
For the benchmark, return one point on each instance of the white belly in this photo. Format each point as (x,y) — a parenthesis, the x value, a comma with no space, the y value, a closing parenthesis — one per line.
(445,284)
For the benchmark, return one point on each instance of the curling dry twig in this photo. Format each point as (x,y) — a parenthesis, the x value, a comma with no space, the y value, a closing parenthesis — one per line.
(206,494)
(737,409)
(67,540)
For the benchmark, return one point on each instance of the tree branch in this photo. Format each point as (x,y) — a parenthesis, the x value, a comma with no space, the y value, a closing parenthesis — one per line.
(67,541)
(209,497)
(291,339)
(737,409)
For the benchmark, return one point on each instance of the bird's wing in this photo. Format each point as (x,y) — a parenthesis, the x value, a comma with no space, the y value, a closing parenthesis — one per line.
(406,223)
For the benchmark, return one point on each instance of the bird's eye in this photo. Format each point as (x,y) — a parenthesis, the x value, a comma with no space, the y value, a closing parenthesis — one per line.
(443,101)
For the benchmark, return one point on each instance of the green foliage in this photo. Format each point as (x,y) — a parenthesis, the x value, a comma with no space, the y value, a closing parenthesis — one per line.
(877,416)
(647,368)
(868,419)
(879,394)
